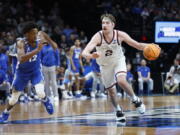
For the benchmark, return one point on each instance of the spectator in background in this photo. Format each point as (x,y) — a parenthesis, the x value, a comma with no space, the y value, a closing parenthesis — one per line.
(170,84)
(50,60)
(67,31)
(3,59)
(144,75)
(4,85)
(83,37)
(173,77)
(96,76)
(137,60)
(129,77)
(71,39)
(63,42)
(175,70)
(68,80)
(76,63)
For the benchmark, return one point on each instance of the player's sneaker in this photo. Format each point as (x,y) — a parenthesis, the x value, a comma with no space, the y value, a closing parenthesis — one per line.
(120,117)
(4,117)
(140,107)
(49,106)
(92,94)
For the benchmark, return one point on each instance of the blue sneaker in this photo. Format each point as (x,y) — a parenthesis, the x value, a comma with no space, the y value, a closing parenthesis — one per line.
(4,117)
(49,106)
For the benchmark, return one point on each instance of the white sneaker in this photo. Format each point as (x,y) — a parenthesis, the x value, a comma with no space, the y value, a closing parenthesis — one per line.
(92,94)
(29,98)
(36,98)
(22,98)
(102,95)
(51,98)
(65,95)
(140,107)
(56,98)
(119,94)
(70,94)
(83,97)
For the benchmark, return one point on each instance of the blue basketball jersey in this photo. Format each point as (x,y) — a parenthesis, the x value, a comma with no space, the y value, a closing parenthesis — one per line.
(76,59)
(32,65)
(28,71)
(95,66)
(68,63)
(76,54)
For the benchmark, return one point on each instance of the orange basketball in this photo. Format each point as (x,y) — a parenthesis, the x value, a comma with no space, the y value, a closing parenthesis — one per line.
(151,52)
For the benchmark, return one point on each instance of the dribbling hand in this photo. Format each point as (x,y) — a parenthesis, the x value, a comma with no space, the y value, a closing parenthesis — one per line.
(95,55)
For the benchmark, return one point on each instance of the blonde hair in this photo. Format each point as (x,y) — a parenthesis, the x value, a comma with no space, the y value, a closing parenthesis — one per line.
(110,16)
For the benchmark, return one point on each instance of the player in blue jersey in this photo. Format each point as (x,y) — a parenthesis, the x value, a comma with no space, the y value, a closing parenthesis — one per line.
(68,77)
(50,62)
(28,67)
(76,63)
(96,76)
(144,75)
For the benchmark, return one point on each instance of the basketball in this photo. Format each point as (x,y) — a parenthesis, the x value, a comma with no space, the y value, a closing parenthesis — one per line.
(151,52)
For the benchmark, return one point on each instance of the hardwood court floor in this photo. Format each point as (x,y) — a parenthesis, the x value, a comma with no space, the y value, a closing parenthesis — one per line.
(95,117)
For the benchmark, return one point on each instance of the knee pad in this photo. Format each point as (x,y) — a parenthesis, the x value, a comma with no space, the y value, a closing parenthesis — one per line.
(40,90)
(14,98)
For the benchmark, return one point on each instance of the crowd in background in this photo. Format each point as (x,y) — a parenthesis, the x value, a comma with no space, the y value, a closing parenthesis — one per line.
(136,17)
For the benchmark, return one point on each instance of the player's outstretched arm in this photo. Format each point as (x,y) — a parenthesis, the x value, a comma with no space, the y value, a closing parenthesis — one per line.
(126,38)
(48,39)
(90,46)
(22,56)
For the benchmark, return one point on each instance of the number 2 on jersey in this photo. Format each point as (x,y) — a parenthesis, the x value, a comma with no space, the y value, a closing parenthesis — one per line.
(33,58)
(108,52)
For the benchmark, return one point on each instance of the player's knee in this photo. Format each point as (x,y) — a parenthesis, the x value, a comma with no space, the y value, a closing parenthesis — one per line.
(40,90)
(14,98)
(122,82)
(111,91)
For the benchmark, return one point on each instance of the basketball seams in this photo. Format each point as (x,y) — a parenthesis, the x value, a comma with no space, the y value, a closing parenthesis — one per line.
(151,54)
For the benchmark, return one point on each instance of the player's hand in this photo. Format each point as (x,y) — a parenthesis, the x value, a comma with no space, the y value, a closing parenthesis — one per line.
(40,46)
(95,55)
(156,45)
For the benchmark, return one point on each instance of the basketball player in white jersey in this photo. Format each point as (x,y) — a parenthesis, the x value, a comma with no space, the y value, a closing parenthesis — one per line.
(112,63)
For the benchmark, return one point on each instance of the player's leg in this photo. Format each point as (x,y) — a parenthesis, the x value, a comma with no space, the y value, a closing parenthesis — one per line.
(150,84)
(18,85)
(121,78)
(120,70)
(76,74)
(37,81)
(11,103)
(94,84)
(46,81)
(54,83)
(141,86)
(109,81)
(88,76)
(67,92)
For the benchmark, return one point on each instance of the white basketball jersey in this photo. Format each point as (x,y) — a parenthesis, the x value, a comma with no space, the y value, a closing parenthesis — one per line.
(109,52)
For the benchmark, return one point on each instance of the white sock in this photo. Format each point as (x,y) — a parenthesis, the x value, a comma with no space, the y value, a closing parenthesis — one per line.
(45,99)
(118,108)
(6,111)
(134,98)
(78,92)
